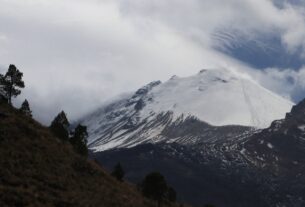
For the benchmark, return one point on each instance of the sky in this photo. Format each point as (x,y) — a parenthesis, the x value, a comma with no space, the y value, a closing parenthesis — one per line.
(78,54)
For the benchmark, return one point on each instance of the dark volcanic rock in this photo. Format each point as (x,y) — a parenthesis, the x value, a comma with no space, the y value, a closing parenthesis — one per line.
(144,90)
(139,105)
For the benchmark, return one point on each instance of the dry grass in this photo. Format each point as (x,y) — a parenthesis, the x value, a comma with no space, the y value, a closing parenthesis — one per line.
(37,169)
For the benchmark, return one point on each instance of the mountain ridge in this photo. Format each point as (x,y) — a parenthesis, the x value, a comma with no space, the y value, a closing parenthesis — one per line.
(261,168)
(217,97)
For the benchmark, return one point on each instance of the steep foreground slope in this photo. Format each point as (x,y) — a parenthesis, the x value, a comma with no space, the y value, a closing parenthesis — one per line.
(217,97)
(263,168)
(37,169)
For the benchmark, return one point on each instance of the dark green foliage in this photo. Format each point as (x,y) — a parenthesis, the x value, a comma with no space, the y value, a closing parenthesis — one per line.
(171,194)
(154,187)
(118,172)
(10,82)
(60,126)
(3,97)
(25,108)
(79,140)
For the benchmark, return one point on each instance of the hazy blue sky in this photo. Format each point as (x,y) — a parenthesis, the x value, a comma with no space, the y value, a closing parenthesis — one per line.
(76,54)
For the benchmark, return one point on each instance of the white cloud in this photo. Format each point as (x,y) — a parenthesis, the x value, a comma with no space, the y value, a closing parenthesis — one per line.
(201,18)
(75,54)
(289,83)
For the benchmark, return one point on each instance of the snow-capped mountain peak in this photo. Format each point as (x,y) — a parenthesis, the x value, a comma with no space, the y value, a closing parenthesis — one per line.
(219,97)
(211,98)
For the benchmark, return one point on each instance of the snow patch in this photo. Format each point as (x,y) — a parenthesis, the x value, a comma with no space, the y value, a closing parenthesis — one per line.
(243,151)
(301,127)
(269,145)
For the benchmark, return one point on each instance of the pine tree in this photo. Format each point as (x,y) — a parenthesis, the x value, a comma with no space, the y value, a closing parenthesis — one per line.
(10,82)
(118,172)
(3,97)
(154,187)
(79,140)
(25,108)
(60,126)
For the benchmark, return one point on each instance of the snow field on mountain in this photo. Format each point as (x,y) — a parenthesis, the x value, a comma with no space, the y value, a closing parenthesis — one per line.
(218,97)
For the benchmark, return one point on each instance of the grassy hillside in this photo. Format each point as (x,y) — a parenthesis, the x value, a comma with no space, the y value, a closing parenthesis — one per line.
(37,169)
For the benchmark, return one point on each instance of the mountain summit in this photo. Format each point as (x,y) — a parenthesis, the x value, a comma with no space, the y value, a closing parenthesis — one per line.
(217,97)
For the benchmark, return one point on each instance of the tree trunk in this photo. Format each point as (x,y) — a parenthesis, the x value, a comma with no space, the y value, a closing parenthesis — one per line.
(9,98)
(159,203)
(10,94)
